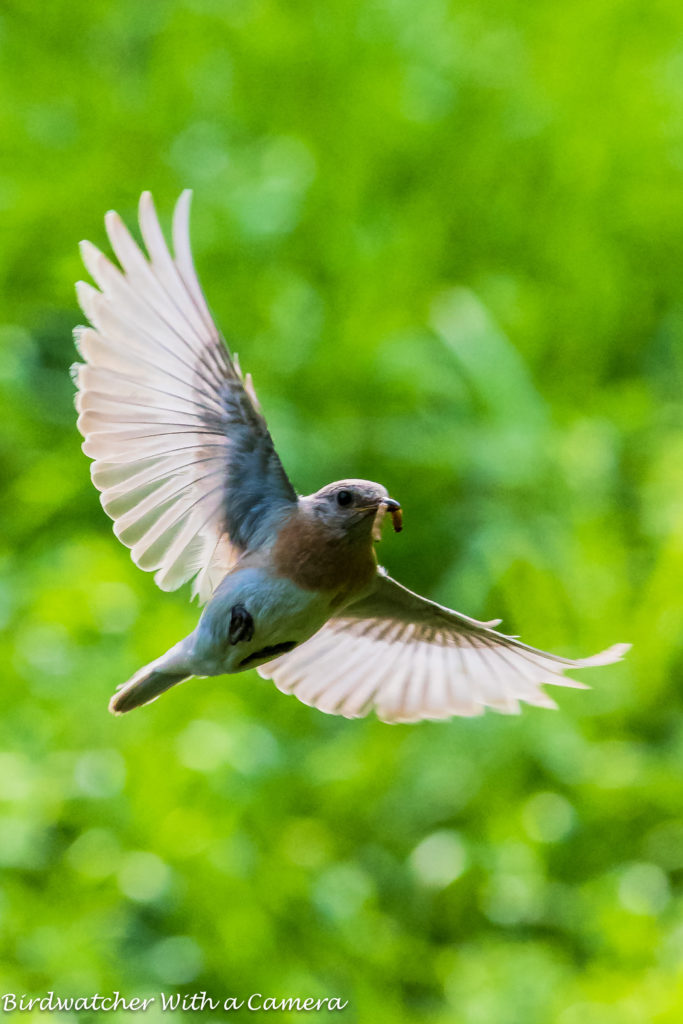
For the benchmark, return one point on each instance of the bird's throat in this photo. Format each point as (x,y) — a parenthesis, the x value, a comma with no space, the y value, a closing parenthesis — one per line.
(314,557)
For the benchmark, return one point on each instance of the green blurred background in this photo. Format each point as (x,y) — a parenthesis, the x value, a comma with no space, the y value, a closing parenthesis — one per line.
(446,239)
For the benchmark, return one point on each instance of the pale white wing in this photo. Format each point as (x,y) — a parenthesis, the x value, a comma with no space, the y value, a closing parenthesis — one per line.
(410,659)
(182,453)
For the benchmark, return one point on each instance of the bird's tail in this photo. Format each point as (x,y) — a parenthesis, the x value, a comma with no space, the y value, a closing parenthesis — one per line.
(151,681)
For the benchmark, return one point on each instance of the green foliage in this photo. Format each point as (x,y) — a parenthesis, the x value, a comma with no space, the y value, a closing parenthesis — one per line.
(447,240)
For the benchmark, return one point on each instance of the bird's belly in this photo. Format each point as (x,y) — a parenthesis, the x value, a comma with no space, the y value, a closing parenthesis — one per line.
(283,615)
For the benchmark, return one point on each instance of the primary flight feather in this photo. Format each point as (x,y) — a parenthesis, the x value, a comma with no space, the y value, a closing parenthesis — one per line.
(188,472)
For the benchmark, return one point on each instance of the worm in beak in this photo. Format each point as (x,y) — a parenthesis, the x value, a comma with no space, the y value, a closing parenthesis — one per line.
(396,513)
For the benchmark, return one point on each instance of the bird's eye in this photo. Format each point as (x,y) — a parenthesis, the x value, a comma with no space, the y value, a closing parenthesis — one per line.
(344,498)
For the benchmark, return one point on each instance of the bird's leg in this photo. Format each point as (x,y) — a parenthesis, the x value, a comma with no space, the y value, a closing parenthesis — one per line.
(241,624)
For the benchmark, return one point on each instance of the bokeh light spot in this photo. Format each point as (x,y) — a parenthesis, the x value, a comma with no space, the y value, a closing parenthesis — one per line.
(143,876)
(439,859)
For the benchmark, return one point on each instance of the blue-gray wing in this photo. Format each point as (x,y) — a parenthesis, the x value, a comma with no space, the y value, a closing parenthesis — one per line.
(410,659)
(182,454)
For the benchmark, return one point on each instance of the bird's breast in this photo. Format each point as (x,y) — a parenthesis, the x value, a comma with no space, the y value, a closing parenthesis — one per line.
(314,558)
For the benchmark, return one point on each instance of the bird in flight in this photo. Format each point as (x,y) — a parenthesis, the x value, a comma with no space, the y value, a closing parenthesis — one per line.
(188,471)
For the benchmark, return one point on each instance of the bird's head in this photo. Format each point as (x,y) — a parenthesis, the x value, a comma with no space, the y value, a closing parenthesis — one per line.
(354,507)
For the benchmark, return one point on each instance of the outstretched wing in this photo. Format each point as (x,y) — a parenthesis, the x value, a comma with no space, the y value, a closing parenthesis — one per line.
(410,659)
(183,457)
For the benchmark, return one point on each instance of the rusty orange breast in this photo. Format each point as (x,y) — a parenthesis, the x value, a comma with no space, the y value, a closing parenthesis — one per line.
(316,558)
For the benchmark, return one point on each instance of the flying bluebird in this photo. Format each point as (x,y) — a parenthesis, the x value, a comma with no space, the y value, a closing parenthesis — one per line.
(190,476)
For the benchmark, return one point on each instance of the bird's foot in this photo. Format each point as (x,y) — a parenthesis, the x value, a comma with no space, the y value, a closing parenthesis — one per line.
(241,625)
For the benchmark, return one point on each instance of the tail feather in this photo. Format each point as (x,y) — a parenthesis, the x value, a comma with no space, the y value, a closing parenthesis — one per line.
(142,688)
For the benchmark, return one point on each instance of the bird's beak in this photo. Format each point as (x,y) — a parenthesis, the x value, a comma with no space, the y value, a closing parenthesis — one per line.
(394,507)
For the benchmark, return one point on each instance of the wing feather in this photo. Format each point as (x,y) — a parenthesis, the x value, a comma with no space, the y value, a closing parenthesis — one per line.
(411,659)
(182,455)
